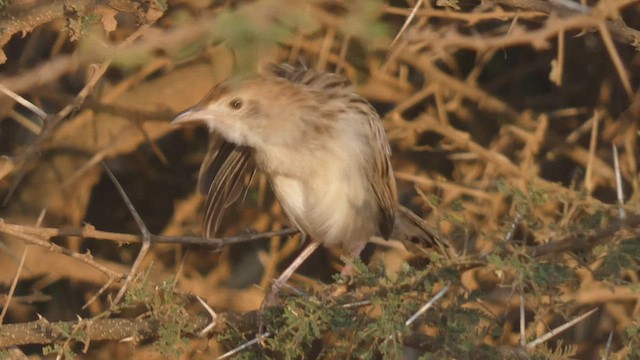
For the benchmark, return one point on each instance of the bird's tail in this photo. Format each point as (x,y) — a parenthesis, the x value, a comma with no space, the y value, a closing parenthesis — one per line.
(417,236)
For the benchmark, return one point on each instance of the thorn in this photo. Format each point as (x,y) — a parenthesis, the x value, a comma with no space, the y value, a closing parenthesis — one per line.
(24,102)
(512,229)
(146,236)
(244,346)
(426,306)
(128,339)
(523,339)
(406,22)
(559,329)
(213,315)
(619,190)
(607,348)
(356,304)
(296,291)
(43,212)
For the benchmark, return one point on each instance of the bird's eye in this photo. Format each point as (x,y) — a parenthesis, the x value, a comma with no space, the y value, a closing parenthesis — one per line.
(235,104)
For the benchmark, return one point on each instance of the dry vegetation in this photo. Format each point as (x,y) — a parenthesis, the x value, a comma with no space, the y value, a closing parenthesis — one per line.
(515,131)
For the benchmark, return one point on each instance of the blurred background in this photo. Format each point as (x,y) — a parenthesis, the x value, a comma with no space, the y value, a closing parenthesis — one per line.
(514,126)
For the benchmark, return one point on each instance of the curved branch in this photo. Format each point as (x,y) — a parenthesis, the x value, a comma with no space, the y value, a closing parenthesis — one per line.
(619,30)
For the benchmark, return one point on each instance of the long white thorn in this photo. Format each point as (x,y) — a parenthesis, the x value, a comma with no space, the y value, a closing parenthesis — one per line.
(619,190)
(559,329)
(426,306)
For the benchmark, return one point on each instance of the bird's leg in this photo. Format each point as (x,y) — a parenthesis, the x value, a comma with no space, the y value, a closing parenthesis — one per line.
(354,251)
(271,298)
(347,271)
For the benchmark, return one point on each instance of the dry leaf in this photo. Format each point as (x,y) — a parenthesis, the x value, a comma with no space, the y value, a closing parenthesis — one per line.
(108,18)
(6,166)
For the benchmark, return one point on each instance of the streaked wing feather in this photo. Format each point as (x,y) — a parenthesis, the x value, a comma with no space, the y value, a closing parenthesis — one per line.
(313,79)
(222,178)
(418,237)
(219,151)
(380,175)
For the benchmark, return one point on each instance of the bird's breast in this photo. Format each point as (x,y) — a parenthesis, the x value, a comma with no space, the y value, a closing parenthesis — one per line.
(332,205)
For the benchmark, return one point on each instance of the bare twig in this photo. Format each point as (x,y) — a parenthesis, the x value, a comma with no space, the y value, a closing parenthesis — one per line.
(14,283)
(325,50)
(618,29)
(104,288)
(213,315)
(615,58)
(560,329)
(89,232)
(85,258)
(146,237)
(51,122)
(407,22)
(24,102)
(593,144)
(470,18)
(578,242)
(44,332)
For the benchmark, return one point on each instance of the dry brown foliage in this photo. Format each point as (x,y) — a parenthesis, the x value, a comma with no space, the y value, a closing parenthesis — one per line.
(515,127)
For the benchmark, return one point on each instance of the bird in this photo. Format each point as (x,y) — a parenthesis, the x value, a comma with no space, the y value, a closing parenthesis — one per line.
(323,149)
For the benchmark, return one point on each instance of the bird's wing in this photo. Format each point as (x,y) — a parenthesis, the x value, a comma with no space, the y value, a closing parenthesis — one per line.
(222,178)
(418,237)
(380,174)
(378,167)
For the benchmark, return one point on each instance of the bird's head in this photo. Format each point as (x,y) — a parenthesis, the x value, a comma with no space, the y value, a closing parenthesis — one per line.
(247,112)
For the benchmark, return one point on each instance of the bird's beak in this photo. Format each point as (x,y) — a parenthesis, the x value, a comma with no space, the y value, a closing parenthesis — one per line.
(189,116)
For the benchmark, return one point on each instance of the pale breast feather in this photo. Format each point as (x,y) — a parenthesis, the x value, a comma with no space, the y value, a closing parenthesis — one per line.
(378,166)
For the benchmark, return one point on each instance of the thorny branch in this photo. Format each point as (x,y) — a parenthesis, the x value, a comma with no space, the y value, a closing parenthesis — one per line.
(431,93)
(89,232)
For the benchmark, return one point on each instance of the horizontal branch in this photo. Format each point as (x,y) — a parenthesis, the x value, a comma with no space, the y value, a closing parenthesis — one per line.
(581,241)
(44,332)
(23,18)
(90,232)
(619,30)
